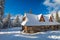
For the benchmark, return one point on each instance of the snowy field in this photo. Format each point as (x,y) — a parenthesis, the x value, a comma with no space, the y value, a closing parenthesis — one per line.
(16,34)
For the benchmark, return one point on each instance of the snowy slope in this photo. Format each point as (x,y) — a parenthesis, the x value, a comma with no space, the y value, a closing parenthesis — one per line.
(16,34)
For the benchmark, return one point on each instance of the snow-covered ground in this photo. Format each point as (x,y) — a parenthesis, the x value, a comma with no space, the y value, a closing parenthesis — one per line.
(16,34)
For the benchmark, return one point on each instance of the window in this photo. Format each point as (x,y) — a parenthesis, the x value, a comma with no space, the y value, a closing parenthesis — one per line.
(42,19)
(24,18)
(50,20)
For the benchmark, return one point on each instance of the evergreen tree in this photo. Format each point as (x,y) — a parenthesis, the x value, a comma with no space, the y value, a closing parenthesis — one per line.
(7,21)
(0,19)
(1,11)
(30,11)
(1,24)
(16,22)
(52,16)
(8,16)
(57,17)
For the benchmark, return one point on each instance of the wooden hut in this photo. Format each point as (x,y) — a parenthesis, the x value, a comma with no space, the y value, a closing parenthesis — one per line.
(37,23)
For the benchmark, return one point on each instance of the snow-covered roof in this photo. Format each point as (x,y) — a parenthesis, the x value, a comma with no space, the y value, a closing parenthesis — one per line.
(33,20)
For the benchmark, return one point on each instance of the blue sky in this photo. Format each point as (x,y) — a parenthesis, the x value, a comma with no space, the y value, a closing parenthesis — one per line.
(20,6)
